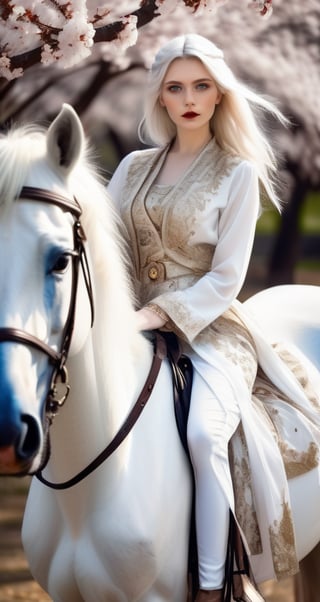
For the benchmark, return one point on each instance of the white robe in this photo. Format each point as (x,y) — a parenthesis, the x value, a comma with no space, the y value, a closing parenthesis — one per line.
(190,260)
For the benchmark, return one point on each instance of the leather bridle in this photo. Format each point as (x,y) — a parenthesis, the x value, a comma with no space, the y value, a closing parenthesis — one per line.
(58,359)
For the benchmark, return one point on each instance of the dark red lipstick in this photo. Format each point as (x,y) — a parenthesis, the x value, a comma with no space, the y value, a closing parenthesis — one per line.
(190,114)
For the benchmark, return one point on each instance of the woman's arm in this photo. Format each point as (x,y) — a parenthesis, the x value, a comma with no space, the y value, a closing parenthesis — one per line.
(194,308)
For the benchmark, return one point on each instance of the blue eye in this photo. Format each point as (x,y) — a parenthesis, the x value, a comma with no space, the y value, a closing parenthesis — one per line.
(174,88)
(202,86)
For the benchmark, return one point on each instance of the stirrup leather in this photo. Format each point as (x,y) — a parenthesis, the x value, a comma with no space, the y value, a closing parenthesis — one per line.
(239,584)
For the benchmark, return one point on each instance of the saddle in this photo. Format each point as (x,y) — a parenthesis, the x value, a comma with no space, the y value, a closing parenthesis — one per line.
(239,585)
(182,375)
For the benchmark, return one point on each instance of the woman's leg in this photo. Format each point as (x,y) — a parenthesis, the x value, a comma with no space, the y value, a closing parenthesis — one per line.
(214,416)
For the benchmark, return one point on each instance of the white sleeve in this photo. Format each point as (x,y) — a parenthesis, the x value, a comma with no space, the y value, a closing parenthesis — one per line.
(194,308)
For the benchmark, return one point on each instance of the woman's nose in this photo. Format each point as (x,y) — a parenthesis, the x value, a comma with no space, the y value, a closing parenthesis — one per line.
(189,97)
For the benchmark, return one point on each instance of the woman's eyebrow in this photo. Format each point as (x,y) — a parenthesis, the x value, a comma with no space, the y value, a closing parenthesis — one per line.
(196,81)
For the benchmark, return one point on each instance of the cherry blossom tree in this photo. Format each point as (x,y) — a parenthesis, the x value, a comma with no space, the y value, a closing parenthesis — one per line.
(64,31)
(68,36)
(55,50)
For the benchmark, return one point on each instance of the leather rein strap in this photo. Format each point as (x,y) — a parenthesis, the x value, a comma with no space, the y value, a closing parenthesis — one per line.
(160,352)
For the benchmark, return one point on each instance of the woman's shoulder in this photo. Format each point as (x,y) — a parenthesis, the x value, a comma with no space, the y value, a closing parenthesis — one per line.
(230,161)
(228,167)
(243,166)
(244,173)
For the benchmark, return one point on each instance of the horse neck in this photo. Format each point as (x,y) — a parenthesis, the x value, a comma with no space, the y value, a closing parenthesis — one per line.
(102,392)
(109,371)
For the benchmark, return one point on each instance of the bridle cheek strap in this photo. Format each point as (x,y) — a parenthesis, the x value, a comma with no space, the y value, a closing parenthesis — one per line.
(58,359)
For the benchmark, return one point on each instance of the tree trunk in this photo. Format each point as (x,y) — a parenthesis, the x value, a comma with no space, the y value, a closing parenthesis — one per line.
(286,249)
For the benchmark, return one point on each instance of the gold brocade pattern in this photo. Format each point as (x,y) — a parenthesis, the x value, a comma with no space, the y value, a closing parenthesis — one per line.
(229,336)
(299,371)
(296,461)
(202,180)
(243,493)
(282,544)
(177,307)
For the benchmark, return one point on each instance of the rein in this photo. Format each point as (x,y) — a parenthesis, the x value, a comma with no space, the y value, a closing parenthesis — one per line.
(160,352)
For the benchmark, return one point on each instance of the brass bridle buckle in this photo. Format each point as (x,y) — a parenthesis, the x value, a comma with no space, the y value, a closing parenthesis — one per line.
(59,392)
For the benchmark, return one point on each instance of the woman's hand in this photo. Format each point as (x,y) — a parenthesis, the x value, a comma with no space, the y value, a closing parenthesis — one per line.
(147,319)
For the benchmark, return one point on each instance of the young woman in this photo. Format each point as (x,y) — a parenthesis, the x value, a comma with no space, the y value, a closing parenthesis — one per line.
(190,208)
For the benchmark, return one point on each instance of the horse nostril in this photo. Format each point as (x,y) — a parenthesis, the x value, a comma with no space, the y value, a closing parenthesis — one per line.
(30,438)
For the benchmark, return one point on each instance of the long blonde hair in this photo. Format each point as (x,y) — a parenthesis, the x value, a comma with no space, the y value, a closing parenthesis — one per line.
(234,123)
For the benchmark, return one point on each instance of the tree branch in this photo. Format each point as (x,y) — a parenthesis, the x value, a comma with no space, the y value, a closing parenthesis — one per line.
(146,13)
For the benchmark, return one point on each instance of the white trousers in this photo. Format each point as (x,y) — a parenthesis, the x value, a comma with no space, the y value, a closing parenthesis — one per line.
(214,417)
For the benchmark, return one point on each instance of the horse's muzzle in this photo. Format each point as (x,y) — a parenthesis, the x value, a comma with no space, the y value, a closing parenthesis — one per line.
(20,452)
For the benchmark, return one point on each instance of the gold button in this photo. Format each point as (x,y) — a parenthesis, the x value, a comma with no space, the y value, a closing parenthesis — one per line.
(153,273)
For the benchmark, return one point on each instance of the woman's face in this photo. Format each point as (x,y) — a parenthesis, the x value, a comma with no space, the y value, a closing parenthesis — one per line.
(189,93)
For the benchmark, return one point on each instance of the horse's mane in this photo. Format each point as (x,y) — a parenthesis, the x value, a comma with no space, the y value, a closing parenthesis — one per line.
(115,334)
(20,148)
(23,152)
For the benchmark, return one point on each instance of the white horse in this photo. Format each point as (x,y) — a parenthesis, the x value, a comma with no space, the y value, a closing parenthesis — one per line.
(121,533)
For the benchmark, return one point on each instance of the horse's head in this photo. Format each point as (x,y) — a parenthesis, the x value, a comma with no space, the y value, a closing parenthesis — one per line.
(41,256)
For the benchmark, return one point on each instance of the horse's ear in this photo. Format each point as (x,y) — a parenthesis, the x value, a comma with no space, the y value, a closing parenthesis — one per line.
(65,139)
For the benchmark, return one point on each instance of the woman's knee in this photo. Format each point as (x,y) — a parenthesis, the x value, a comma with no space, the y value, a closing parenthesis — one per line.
(207,435)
